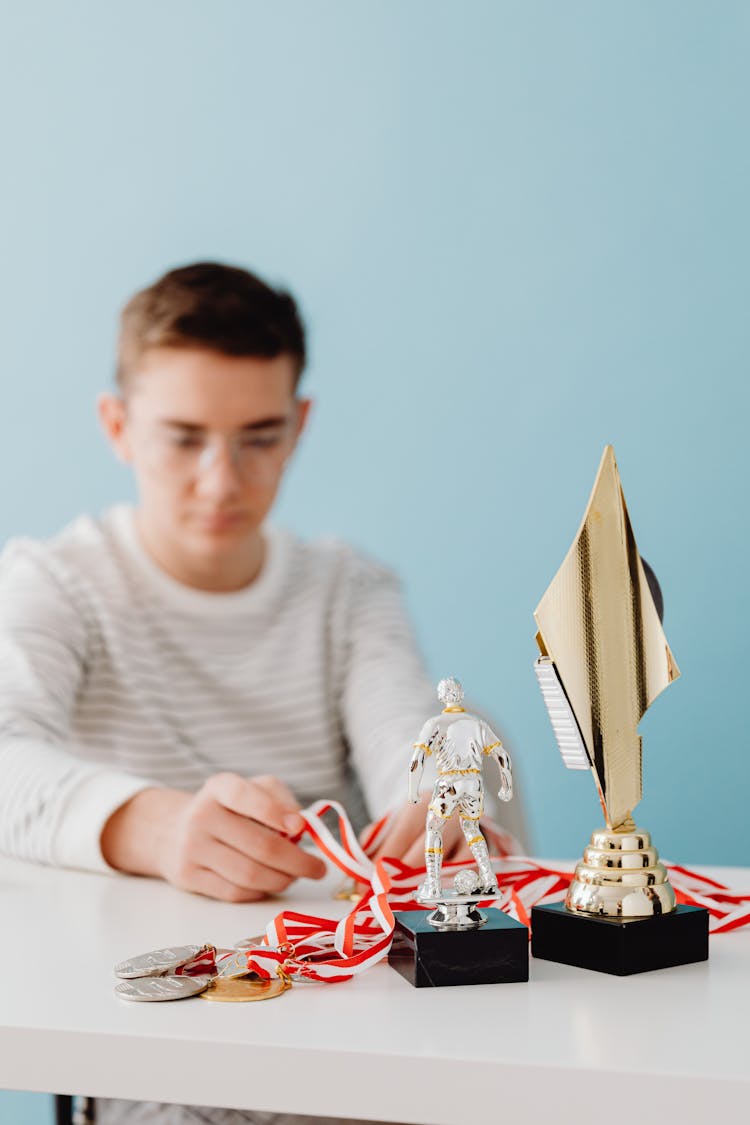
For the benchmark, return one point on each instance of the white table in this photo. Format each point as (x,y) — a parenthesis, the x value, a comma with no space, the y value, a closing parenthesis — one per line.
(569,1046)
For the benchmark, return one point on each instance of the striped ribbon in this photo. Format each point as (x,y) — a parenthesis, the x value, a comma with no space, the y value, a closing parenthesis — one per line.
(331,950)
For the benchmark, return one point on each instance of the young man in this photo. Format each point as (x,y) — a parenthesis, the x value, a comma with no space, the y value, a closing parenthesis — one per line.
(174,673)
(179,678)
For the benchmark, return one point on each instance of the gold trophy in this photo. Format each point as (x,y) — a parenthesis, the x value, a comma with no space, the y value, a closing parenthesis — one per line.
(604,659)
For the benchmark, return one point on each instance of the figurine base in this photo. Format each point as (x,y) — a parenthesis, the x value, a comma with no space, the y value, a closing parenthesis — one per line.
(617,946)
(497,953)
(456,916)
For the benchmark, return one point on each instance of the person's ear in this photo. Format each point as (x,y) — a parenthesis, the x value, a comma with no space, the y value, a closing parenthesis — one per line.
(113,419)
(304,405)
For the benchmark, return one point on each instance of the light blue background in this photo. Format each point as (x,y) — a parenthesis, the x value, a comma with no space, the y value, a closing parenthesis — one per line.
(518,231)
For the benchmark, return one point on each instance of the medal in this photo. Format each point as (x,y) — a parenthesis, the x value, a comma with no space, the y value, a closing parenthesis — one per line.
(349,891)
(161,988)
(329,950)
(233,967)
(241,991)
(162,961)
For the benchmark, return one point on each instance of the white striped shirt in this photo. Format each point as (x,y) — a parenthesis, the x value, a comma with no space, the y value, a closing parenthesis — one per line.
(113,677)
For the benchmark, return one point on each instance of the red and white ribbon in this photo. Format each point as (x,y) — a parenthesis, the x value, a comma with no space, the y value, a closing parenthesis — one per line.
(334,950)
(728,910)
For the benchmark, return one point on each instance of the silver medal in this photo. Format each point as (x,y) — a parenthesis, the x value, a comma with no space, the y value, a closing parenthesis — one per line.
(158,962)
(233,967)
(162,988)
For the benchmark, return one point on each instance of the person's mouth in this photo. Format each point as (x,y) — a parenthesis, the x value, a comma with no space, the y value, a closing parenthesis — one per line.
(218,521)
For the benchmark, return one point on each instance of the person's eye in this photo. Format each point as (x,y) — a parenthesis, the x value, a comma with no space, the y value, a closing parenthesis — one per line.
(186,441)
(260,441)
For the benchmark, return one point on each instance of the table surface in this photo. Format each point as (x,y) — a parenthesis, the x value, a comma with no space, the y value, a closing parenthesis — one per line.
(581,1045)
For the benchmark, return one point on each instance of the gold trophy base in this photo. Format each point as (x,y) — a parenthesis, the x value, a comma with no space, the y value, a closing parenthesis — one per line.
(621,877)
(620,915)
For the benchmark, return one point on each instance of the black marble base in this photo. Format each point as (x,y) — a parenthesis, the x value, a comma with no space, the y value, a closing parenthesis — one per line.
(496,953)
(611,945)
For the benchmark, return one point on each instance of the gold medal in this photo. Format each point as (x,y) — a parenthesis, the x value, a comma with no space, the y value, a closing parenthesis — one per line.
(349,892)
(242,990)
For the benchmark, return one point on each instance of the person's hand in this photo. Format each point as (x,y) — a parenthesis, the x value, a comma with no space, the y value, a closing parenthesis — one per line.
(405,838)
(228,840)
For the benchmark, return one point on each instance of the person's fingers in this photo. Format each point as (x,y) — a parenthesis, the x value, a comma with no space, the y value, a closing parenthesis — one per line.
(243,796)
(208,883)
(414,855)
(453,846)
(457,850)
(245,873)
(279,791)
(263,845)
(407,824)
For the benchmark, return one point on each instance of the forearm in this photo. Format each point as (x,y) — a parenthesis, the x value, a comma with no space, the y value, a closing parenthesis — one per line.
(137,836)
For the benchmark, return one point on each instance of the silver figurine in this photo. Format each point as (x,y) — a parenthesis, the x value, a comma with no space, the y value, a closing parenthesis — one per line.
(459,742)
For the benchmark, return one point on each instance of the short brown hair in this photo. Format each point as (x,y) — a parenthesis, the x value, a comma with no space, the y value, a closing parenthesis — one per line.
(210,305)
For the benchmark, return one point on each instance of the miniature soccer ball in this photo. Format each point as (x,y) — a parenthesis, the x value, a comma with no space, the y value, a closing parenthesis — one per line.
(467,881)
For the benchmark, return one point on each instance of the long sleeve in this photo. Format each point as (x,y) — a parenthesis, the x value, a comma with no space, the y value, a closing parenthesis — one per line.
(53,805)
(386,690)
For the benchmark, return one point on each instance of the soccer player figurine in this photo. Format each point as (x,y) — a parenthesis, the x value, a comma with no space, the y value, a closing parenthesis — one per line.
(471,946)
(459,742)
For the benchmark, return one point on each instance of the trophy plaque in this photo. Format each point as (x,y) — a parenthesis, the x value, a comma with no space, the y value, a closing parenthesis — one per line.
(604,659)
(457,942)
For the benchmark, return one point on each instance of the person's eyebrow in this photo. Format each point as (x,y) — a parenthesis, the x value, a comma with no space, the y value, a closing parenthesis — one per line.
(272,421)
(266,423)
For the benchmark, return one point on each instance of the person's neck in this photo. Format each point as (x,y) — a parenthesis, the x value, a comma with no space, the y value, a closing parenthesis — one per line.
(223,576)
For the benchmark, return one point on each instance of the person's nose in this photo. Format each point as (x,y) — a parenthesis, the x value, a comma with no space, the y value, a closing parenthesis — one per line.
(218,477)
